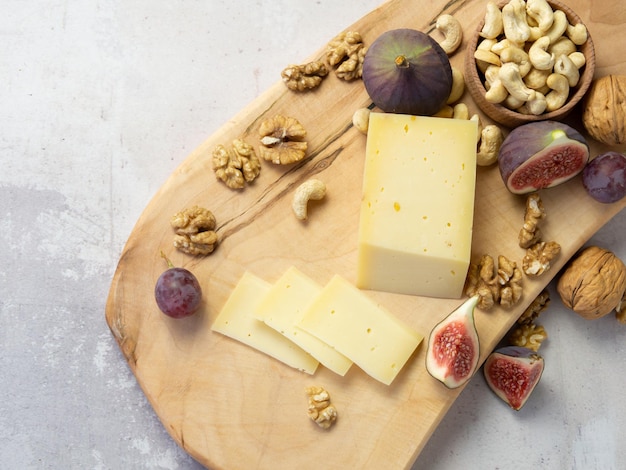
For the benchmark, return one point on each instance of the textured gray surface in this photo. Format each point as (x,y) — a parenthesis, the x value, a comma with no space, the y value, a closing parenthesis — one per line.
(100,102)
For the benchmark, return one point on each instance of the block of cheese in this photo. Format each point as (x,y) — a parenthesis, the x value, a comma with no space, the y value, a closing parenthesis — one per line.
(237,320)
(417,208)
(284,305)
(348,320)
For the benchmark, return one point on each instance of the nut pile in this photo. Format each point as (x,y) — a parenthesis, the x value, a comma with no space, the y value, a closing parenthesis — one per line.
(529,55)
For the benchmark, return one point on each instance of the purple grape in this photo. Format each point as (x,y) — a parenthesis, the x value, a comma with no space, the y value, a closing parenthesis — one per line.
(604,177)
(178,293)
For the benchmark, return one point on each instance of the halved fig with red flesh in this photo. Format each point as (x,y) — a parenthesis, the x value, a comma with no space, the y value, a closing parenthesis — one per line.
(541,155)
(512,373)
(453,347)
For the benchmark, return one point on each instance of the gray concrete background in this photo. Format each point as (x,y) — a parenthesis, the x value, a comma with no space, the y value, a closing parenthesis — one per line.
(99,102)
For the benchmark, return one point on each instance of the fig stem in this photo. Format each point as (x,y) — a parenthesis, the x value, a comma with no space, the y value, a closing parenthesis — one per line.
(401,61)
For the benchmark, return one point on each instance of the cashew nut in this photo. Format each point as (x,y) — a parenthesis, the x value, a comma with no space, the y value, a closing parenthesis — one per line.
(490,141)
(516,27)
(497,93)
(514,103)
(577,33)
(476,117)
(563,45)
(492,74)
(452,32)
(499,46)
(541,12)
(458,86)
(539,56)
(566,67)
(312,189)
(517,56)
(537,104)
(361,119)
(560,91)
(460,111)
(578,59)
(559,26)
(512,80)
(536,79)
(493,26)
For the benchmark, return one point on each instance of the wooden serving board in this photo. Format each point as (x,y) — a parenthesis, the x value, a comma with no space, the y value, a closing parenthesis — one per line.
(232,407)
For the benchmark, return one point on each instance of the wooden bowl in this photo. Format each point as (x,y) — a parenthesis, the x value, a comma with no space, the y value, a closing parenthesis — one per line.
(474,79)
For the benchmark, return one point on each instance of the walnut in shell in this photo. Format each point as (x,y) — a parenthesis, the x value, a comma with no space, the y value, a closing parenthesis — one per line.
(594,283)
(604,113)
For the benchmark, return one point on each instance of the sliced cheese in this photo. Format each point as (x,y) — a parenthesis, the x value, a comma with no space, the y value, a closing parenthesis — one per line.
(417,209)
(284,305)
(237,320)
(348,320)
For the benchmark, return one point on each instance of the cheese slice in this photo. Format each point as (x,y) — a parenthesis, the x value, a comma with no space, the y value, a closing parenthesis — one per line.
(348,320)
(237,320)
(417,209)
(284,305)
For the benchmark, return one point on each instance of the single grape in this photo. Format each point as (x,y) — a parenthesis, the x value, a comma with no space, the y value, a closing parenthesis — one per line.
(177,292)
(604,177)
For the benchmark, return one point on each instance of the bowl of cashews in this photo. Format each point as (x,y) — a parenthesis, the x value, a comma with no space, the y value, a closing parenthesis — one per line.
(529,60)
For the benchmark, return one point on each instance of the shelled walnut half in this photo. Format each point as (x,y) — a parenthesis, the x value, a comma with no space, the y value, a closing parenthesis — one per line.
(346,52)
(304,77)
(282,140)
(320,409)
(528,335)
(539,257)
(195,231)
(537,306)
(501,285)
(237,165)
(530,233)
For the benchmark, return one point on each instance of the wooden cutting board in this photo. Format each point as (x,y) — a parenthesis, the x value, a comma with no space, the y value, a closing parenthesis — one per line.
(232,407)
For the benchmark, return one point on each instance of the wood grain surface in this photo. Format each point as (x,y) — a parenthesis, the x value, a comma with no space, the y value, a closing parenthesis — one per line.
(232,407)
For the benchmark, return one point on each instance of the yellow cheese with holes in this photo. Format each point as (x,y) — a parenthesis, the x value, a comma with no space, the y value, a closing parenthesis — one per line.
(415,229)
(283,307)
(345,318)
(237,320)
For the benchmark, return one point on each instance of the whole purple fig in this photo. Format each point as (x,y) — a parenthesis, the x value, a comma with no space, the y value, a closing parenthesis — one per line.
(405,71)
(541,155)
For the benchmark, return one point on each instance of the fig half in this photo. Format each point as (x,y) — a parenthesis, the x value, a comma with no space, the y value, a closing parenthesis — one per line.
(405,71)
(512,372)
(541,155)
(453,347)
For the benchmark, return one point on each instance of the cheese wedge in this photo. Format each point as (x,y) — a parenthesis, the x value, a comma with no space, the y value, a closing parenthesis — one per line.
(237,320)
(415,229)
(348,320)
(284,305)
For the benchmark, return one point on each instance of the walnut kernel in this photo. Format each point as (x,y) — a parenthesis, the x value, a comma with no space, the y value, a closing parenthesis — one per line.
(304,77)
(530,233)
(537,306)
(346,52)
(320,410)
(494,286)
(528,335)
(237,165)
(282,140)
(539,256)
(195,231)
